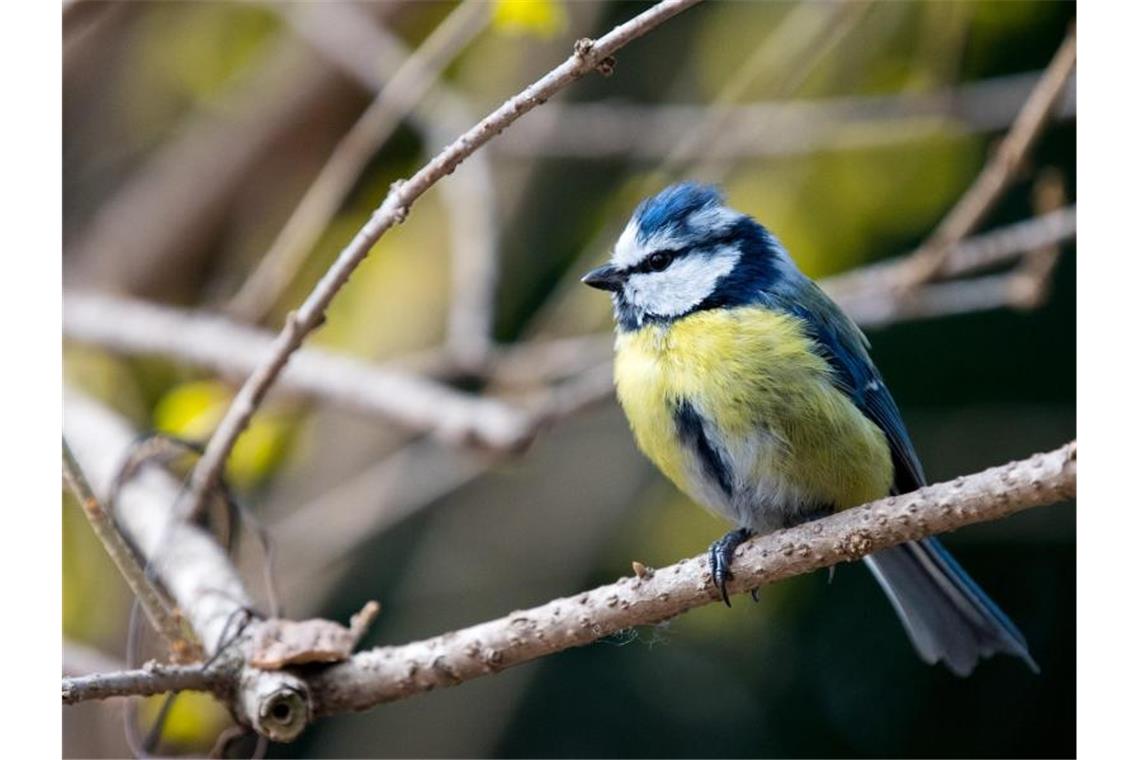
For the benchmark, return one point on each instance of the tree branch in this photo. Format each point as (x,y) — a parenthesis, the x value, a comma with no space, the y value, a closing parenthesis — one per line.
(470,196)
(974,254)
(588,55)
(998,173)
(193,569)
(150,598)
(390,673)
(147,681)
(616,129)
(226,347)
(387,674)
(325,194)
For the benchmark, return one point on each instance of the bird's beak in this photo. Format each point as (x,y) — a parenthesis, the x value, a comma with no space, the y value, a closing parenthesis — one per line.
(604,278)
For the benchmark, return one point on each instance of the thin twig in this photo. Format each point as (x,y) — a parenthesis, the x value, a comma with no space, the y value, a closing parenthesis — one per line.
(975,254)
(999,171)
(146,681)
(782,63)
(391,673)
(1034,275)
(470,197)
(938,299)
(588,56)
(327,192)
(649,132)
(150,598)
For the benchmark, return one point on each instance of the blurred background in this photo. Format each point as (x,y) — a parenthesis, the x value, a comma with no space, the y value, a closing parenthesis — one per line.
(192,132)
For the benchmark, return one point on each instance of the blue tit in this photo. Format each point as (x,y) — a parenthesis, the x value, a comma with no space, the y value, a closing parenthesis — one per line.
(754,393)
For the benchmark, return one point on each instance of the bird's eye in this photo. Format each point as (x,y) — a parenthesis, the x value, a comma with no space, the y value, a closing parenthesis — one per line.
(660,260)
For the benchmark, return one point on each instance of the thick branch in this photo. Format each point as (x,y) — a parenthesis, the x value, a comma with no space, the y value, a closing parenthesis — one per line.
(390,673)
(387,674)
(588,55)
(191,566)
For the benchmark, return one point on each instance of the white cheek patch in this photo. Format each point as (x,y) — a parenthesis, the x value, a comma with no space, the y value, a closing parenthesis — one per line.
(688,281)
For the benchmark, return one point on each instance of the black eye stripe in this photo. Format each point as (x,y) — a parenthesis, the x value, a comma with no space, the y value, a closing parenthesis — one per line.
(658,261)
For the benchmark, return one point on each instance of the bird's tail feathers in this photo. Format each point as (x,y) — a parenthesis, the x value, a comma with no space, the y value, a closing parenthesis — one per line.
(947,616)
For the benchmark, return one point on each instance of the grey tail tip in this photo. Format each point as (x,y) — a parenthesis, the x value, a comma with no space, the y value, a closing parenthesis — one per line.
(947,616)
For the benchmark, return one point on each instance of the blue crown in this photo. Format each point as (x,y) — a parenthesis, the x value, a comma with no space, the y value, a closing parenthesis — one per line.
(671,207)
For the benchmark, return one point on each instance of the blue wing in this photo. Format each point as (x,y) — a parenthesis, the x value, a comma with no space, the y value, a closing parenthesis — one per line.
(845,347)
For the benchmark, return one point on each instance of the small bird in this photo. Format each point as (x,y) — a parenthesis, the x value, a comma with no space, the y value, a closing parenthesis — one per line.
(755,394)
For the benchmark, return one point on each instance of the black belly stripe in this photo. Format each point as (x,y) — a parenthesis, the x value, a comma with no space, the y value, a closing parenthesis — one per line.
(691,431)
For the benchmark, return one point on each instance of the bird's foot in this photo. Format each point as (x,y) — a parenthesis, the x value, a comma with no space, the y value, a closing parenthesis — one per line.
(720,559)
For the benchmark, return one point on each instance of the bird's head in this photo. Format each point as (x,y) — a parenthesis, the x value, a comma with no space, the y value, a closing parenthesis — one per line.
(683,251)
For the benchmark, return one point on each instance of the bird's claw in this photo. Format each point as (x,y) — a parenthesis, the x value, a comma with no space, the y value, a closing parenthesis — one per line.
(720,560)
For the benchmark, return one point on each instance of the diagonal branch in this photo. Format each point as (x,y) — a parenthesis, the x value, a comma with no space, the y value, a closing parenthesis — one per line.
(196,572)
(976,202)
(153,604)
(327,192)
(375,56)
(588,55)
(386,674)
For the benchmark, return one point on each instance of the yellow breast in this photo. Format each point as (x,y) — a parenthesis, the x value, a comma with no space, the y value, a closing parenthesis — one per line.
(788,432)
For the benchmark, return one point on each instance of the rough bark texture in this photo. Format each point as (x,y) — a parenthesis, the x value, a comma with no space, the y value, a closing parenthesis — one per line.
(390,673)
(146,681)
(191,566)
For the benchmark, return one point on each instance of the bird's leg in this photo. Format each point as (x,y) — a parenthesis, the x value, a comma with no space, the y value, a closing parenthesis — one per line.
(720,559)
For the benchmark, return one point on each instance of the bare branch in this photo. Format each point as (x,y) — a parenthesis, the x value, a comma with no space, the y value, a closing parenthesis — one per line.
(218,343)
(873,282)
(588,55)
(1034,275)
(387,674)
(998,172)
(147,681)
(192,567)
(782,63)
(610,129)
(150,598)
(470,196)
(327,192)
(390,673)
